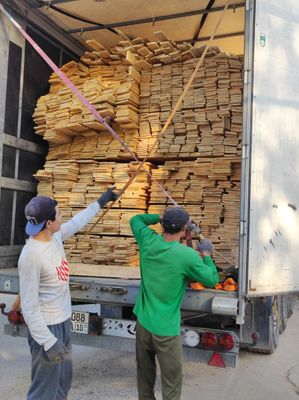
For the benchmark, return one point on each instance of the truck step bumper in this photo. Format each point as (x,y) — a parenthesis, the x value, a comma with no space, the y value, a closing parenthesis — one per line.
(125,344)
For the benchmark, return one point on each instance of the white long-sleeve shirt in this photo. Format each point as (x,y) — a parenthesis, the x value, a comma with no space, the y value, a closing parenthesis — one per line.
(44,279)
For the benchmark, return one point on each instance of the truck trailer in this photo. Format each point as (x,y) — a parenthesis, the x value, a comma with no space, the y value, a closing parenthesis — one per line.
(215,324)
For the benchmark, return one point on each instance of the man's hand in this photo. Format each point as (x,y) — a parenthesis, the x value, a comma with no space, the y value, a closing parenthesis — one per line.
(205,247)
(192,226)
(107,196)
(57,352)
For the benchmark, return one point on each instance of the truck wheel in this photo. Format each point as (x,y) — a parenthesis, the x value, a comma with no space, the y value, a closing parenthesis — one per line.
(273,332)
(283,312)
(290,305)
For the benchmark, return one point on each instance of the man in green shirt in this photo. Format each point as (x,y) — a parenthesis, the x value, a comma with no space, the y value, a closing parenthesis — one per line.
(166,266)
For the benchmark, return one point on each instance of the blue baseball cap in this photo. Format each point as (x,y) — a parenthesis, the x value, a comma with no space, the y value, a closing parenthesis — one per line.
(37,212)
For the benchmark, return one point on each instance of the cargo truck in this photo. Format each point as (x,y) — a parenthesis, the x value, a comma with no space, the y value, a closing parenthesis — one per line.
(215,324)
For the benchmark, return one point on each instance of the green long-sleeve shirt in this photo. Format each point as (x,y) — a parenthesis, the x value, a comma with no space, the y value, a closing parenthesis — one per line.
(165,270)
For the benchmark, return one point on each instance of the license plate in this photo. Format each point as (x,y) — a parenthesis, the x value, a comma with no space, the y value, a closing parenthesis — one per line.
(80,322)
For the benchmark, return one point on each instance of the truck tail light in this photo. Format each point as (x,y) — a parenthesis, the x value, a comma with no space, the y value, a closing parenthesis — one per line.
(208,340)
(226,341)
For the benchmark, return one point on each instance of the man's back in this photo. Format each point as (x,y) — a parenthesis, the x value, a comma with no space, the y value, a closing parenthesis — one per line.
(165,268)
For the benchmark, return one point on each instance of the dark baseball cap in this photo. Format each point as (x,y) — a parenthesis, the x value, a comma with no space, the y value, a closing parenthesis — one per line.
(174,219)
(37,212)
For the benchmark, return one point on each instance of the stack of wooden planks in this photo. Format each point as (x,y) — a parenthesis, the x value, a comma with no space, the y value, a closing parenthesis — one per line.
(78,183)
(136,85)
(209,189)
(98,249)
(96,146)
(60,116)
(75,184)
(142,53)
(209,122)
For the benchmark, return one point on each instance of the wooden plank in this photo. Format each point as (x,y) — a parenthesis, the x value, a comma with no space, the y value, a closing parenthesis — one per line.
(135,74)
(131,58)
(161,36)
(104,271)
(95,45)
(143,64)
(123,35)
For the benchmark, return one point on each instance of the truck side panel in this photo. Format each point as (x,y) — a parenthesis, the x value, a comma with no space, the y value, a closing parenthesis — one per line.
(24,78)
(274,191)
(12,46)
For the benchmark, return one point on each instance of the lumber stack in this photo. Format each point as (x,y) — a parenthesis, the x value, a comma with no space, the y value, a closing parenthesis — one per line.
(78,183)
(57,179)
(75,184)
(45,181)
(209,122)
(76,72)
(116,223)
(209,189)
(103,250)
(112,91)
(93,145)
(135,85)
(110,241)
(142,53)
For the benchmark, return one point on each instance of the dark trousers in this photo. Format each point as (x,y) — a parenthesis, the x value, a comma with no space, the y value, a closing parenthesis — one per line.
(168,350)
(50,380)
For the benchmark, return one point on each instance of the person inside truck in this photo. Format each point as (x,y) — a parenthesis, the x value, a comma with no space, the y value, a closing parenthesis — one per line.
(45,294)
(166,266)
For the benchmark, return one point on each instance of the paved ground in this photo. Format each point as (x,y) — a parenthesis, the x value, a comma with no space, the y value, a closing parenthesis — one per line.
(106,375)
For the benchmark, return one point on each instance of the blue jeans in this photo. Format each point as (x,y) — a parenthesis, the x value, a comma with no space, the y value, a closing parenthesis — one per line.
(49,380)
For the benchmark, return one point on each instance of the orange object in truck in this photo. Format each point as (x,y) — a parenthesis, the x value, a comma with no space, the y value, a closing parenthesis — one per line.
(218,286)
(230,285)
(197,286)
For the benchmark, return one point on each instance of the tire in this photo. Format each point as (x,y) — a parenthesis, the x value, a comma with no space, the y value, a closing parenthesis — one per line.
(283,312)
(290,305)
(273,334)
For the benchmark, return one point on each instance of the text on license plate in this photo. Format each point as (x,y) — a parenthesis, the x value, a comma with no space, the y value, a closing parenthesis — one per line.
(80,322)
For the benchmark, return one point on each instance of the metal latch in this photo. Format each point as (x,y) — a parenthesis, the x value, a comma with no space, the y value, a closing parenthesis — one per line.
(245,151)
(247,75)
(79,286)
(7,285)
(113,290)
(243,228)
(249,5)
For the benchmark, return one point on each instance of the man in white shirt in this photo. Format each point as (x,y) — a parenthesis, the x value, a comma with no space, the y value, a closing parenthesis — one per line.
(45,294)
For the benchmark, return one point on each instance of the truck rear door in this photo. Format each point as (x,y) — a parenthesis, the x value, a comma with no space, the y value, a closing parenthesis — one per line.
(270,198)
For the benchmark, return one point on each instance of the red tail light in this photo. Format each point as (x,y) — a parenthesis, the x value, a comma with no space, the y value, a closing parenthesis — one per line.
(208,340)
(226,341)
